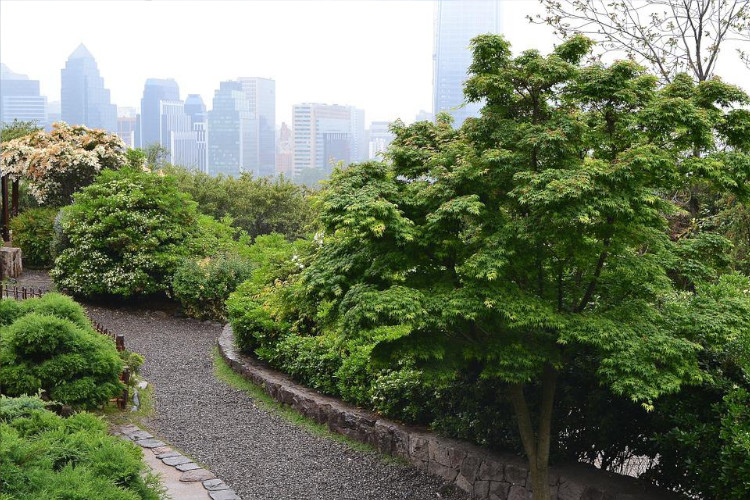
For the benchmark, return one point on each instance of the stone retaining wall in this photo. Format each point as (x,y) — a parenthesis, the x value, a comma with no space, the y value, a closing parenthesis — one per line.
(483,474)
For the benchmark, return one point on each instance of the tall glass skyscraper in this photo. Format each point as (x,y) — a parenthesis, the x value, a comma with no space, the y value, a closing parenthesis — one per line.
(232,147)
(456,23)
(196,110)
(84,100)
(155,91)
(261,96)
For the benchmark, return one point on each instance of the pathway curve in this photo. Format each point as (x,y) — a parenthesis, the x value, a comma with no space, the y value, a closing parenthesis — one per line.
(259,454)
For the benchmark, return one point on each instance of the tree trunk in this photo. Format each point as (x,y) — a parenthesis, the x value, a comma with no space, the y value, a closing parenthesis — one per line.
(536,444)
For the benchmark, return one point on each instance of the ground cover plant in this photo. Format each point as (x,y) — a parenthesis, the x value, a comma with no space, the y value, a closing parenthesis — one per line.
(47,456)
(541,235)
(48,344)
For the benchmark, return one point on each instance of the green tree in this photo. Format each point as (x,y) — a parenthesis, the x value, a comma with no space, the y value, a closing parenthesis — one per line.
(539,233)
(16,129)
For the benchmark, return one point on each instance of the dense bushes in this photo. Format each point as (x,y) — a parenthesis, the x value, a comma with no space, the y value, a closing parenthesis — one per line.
(126,235)
(257,206)
(46,456)
(33,233)
(49,344)
(202,286)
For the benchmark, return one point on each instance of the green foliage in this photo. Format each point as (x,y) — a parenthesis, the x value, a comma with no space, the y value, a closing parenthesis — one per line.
(257,206)
(203,286)
(127,234)
(16,129)
(46,456)
(33,233)
(49,344)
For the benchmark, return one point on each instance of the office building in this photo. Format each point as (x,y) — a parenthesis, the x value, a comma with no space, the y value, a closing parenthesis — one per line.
(284,151)
(380,137)
(456,23)
(313,148)
(155,91)
(196,110)
(20,98)
(261,97)
(232,144)
(84,99)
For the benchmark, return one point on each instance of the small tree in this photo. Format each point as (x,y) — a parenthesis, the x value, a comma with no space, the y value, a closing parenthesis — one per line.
(670,36)
(538,233)
(58,163)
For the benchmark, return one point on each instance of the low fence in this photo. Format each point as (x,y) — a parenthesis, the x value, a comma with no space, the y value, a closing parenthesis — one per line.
(21,293)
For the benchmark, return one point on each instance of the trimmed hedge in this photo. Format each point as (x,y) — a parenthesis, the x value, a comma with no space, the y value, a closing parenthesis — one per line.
(33,233)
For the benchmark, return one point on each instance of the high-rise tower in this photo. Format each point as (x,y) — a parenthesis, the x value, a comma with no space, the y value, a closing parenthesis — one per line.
(456,23)
(261,96)
(84,99)
(20,98)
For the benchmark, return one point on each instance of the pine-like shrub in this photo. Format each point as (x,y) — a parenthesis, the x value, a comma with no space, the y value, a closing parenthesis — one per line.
(33,233)
(72,364)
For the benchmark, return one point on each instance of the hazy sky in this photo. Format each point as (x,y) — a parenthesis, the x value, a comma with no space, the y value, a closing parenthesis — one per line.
(373,54)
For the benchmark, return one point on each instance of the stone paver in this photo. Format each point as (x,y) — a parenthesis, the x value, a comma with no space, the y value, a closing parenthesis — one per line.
(199,474)
(187,467)
(177,460)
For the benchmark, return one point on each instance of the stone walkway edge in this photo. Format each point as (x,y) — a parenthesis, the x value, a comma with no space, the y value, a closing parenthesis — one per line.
(189,471)
(481,473)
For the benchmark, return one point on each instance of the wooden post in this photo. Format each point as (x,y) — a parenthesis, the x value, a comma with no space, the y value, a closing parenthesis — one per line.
(14,199)
(5,213)
(120,342)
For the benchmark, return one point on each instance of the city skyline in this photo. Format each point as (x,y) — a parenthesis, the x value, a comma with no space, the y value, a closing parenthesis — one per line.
(370,54)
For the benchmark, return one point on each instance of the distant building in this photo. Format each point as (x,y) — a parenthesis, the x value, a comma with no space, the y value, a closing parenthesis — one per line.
(337,148)
(196,110)
(310,124)
(261,96)
(456,23)
(155,91)
(126,129)
(380,138)
(84,99)
(424,116)
(20,98)
(176,134)
(284,152)
(231,126)
(54,113)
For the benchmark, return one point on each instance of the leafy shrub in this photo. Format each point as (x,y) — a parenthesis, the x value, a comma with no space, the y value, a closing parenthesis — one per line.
(73,364)
(257,206)
(127,235)
(203,286)
(33,233)
(46,456)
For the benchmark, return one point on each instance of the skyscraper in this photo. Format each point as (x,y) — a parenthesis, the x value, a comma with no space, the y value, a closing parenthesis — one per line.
(284,152)
(380,138)
(196,110)
(456,23)
(155,91)
(20,98)
(310,124)
(261,96)
(84,99)
(231,145)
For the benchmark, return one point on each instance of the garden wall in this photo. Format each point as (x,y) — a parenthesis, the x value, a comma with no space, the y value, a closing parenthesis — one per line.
(483,474)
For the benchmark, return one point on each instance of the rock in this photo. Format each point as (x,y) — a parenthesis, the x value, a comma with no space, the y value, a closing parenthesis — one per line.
(142,385)
(464,484)
(150,443)
(569,490)
(470,467)
(10,262)
(448,473)
(161,449)
(176,460)
(515,475)
(129,429)
(499,491)
(160,314)
(187,467)
(169,454)
(418,448)
(518,493)
(139,434)
(215,485)
(195,475)
(481,489)
(223,495)
(491,470)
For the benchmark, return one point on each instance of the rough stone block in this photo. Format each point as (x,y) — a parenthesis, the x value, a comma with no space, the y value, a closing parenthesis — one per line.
(470,467)
(445,454)
(196,475)
(176,460)
(223,495)
(187,467)
(491,470)
(139,434)
(481,489)
(215,485)
(464,483)
(447,473)
(499,490)
(161,449)
(570,490)
(150,443)
(419,448)
(518,493)
(10,262)
(516,475)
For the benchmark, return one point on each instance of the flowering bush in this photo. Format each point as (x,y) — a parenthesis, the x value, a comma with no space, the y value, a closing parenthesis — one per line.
(58,163)
(126,234)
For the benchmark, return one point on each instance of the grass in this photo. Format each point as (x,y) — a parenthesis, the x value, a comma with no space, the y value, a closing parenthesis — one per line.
(226,374)
(115,416)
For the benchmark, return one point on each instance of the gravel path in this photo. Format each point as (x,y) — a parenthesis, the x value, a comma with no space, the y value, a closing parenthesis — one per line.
(260,455)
